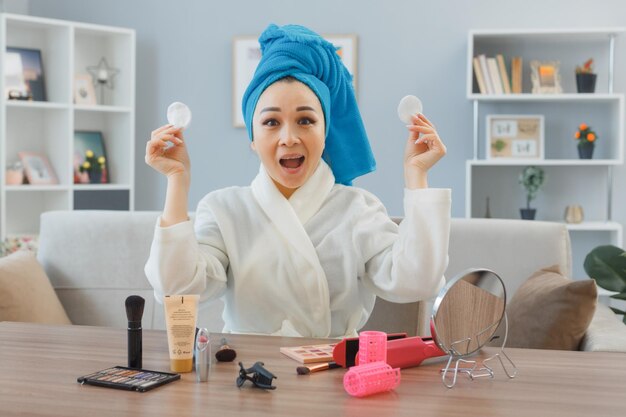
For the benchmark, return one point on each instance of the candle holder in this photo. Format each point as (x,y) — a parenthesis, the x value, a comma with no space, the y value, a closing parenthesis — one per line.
(103,75)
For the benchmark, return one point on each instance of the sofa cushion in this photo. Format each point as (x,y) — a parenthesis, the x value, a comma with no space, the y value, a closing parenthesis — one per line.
(605,333)
(550,311)
(26,294)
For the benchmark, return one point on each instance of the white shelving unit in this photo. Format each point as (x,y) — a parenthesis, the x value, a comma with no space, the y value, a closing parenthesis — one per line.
(67,48)
(565,172)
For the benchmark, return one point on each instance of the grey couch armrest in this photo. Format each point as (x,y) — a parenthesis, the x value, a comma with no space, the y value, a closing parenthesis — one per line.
(606,333)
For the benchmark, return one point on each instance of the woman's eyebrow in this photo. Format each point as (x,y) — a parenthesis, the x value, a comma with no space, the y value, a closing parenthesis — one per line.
(305,108)
(270,109)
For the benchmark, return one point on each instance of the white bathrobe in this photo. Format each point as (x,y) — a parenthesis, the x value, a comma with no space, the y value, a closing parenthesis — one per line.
(310,265)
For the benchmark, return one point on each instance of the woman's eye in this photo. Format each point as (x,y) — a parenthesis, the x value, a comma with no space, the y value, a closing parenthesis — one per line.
(306,121)
(270,122)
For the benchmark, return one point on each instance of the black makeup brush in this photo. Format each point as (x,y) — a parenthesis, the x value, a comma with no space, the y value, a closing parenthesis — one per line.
(225,352)
(134,312)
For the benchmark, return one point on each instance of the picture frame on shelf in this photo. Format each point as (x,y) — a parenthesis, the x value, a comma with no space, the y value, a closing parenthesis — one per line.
(37,168)
(84,92)
(545,77)
(24,75)
(247,55)
(515,137)
(347,48)
(97,173)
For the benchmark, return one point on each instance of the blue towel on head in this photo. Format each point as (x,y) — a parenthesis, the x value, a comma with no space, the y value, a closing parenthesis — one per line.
(298,52)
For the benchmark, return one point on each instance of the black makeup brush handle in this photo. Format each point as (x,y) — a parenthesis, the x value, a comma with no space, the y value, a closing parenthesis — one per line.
(135,348)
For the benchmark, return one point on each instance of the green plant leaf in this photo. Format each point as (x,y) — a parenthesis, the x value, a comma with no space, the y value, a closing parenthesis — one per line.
(607,265)
(617,310)
(621,296)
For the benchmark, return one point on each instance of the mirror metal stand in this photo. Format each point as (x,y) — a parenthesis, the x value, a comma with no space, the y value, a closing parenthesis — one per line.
(474,371)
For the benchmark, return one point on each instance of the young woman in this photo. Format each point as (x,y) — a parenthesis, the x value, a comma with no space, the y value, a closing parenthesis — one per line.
(297,253)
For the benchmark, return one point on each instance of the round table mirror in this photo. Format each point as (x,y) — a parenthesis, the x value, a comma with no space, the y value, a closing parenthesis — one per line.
(468,311)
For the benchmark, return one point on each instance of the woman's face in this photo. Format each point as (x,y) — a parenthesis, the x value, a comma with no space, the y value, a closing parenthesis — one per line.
(289,134)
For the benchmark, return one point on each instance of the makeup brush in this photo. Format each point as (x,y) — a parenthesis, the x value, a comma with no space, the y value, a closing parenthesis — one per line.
(134,312)
(225,352)
(316,367)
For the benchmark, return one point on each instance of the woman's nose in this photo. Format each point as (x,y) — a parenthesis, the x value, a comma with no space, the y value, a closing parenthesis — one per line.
(288,136)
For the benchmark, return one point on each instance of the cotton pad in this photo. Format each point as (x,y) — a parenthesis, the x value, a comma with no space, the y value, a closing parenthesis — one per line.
(179,115)
(409,106)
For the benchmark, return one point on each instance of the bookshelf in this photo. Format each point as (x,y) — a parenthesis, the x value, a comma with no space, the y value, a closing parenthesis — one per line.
(47,127)
(569,180)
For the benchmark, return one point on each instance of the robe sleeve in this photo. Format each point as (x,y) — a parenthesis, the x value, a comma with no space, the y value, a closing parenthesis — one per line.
(406,263)
(184,262)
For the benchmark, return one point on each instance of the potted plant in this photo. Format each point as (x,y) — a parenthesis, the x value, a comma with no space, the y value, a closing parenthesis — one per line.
(94,166)
(585,77)
(607,265)
(531,179)
(586,141)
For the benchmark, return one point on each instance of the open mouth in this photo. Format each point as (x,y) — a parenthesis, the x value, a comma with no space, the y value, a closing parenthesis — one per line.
(292,161)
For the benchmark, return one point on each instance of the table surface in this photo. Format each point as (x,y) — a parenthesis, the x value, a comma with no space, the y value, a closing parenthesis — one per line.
(39,365)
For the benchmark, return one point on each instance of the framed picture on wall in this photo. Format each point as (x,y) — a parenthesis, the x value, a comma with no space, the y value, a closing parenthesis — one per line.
(89,147)
(247,55)
(37,168)
(23,75)
(515,137)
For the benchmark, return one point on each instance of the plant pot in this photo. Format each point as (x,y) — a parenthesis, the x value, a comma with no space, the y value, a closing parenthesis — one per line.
(95,177)
(586,83)
(528,214)
(585,150)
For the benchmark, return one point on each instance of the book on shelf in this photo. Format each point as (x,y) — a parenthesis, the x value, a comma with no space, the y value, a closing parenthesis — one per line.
(485,71)
(479,76)
(491,74)
(494,73)
(516,74)
(504,76)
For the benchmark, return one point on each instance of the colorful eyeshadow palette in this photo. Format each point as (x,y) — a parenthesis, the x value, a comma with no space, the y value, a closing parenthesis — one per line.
(130,379)
(309,354)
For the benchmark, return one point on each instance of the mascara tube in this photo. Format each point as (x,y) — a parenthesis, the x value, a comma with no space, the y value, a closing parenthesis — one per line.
(203,355)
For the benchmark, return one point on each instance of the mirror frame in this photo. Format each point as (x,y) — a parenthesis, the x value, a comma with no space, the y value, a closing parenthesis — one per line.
(442,293)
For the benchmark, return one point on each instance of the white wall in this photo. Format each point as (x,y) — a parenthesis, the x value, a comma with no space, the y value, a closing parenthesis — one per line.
(405,47)
(14,6)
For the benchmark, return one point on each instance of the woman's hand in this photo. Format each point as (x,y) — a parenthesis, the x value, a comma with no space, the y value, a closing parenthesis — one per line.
(168,161)
(423,149)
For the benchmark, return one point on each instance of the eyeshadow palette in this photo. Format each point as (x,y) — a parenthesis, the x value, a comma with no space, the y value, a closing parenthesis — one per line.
(130,379)
(310,353)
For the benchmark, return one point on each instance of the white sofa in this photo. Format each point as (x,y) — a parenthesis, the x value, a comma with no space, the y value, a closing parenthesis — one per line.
(95,259)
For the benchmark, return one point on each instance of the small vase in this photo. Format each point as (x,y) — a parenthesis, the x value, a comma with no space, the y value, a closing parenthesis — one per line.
(574,214)
(528,214)
(14,176)
(586,83)
(585,150)
(95,177)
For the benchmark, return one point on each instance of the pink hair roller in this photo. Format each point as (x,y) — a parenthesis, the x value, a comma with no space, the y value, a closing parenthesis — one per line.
(372,347)
(370,378)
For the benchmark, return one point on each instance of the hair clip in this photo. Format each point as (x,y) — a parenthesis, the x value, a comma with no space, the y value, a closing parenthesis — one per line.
(261,377)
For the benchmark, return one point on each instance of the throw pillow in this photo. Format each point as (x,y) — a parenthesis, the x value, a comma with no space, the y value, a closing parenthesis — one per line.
(26,294)
(550,311)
